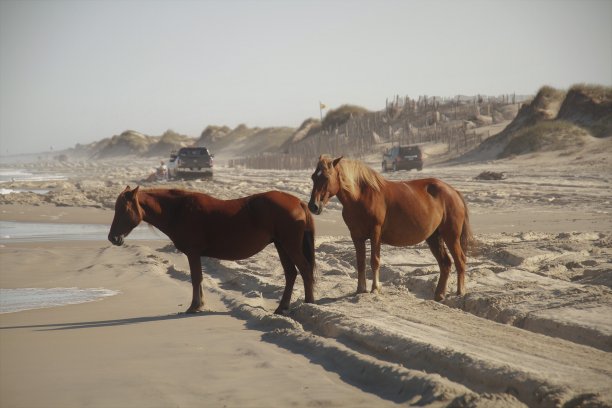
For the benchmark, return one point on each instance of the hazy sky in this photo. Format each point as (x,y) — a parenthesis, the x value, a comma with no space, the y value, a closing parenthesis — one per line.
(79,71)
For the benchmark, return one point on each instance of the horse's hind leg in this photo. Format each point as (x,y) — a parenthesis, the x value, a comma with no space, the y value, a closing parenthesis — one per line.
(436,245)
(195,267)
(290,275)
(306,271)
(375,244)
(453,243)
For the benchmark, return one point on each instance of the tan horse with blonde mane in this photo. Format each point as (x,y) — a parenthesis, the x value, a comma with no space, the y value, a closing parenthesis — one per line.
(396,213)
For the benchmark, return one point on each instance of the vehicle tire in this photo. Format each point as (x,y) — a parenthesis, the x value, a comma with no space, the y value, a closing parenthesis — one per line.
(420,168)
(394,166)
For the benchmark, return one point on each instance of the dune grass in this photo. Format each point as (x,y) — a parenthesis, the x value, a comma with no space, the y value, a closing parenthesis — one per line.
(551,135)
(341,115)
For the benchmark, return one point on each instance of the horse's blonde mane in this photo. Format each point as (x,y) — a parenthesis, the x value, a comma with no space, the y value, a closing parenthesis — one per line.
(353,174)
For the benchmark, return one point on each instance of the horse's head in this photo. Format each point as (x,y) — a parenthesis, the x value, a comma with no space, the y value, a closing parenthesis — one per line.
(325,183)
(128,214)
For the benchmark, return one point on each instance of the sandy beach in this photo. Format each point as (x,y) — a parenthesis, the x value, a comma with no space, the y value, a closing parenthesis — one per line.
(534,328)
(135,349)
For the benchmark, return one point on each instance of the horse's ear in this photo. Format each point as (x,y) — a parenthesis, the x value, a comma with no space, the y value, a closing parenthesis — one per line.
(127,188)
(134,193)
(131,194)
(336,161)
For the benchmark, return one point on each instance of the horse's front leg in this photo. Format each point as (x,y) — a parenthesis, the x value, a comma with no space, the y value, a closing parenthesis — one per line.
(195,268)
(360,255)
(375,242)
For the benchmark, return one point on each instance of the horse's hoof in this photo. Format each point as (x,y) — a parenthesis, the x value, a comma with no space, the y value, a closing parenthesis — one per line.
(376,290)
(438,297)
(283,311)
(193,310)
(361,290)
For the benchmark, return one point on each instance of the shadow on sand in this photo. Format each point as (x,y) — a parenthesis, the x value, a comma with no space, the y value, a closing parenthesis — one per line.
(114,322)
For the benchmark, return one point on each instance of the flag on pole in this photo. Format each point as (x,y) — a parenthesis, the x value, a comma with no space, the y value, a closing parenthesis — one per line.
(321,107)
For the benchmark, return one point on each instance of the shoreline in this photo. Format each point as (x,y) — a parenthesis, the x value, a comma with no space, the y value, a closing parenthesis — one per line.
(50,213)
(330,221)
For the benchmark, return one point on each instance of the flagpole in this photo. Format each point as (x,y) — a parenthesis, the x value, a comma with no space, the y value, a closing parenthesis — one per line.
(321,111)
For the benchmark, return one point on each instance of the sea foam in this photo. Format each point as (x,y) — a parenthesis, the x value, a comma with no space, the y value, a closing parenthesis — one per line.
(16,300)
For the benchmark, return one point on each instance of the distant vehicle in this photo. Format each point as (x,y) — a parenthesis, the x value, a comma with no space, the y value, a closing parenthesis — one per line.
(403,158)
(191,161)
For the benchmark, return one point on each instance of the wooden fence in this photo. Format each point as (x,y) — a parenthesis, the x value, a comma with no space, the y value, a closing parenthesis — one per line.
(403,122)
(457,140)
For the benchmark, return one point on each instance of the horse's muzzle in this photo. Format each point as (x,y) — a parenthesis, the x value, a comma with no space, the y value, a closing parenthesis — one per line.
(315,208)
(116,239)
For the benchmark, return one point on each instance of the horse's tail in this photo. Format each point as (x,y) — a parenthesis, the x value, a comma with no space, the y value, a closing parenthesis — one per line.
(308,245)
(467,237)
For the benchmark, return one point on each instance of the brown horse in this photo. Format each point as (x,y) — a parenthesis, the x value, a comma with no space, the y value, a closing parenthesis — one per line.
(201,225)
(395,213)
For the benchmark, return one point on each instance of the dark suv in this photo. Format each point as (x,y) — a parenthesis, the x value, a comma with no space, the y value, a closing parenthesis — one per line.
(403,157)
(192,160)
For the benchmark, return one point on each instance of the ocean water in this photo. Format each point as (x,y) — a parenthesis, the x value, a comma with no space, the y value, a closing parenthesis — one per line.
(21,190)
(16,300)
(7,175)
(34,232)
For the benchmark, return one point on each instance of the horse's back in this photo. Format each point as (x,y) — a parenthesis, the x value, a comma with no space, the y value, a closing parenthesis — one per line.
(429,189)
(416,208)
(279,198)
(423,184)
(237,228)
(257,207)
(443,192)
(277,206)
(414,193)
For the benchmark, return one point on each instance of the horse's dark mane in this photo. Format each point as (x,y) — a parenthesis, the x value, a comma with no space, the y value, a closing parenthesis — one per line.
(169,199)
(170,192)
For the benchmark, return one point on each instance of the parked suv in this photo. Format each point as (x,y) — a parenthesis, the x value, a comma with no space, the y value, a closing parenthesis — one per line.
(191,160)
(403,157)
